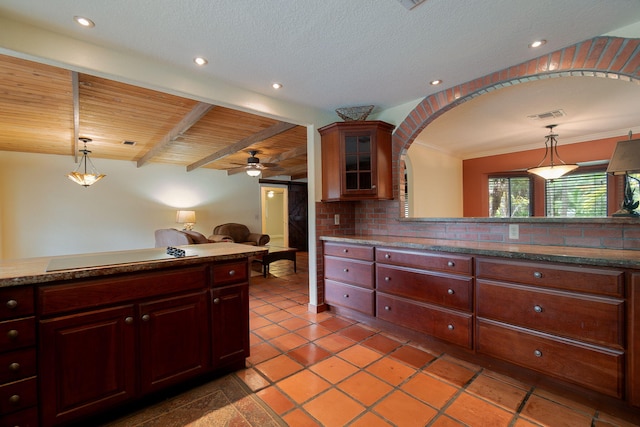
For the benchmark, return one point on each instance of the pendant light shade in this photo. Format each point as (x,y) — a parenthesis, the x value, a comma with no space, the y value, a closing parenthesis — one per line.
(552,170)
(86,173)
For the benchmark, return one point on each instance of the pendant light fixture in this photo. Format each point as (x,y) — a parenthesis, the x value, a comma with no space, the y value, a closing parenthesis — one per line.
(552,170)
(88,174)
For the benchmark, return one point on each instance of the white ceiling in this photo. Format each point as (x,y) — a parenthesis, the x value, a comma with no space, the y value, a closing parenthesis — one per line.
(336,53)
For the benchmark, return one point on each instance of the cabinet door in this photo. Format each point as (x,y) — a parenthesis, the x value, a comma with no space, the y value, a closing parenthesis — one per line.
(230,320)
(359,163)
(174,340)
(87,363)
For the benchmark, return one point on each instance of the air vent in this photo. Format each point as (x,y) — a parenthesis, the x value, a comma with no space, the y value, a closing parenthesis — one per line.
(410,4)
(128,142)
(548,115)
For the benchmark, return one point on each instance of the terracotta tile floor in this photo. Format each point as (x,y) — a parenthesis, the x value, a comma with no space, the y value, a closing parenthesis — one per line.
(324,370)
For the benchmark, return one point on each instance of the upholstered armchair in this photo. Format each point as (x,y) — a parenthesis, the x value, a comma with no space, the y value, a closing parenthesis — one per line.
(239,233)
(173,237)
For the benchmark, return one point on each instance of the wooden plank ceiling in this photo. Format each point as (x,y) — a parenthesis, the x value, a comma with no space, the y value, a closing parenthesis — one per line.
(37,115)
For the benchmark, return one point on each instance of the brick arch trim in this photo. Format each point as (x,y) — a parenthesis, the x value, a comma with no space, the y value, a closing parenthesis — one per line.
(606,57)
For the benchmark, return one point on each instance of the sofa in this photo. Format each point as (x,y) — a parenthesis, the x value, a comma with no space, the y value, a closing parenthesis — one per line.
(239,233)
(172,237)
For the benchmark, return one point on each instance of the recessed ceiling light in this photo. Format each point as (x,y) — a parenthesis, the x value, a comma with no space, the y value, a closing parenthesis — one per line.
(85,22)
(277,85)
(200,60)
(435,82)
(537,43)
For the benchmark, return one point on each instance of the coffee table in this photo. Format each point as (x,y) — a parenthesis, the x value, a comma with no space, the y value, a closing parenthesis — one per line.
(277,253)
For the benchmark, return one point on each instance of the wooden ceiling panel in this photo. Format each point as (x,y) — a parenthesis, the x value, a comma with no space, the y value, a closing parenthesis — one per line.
(36,115)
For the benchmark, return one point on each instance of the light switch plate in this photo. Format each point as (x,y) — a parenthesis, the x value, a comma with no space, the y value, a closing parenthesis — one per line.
(514,231)
(336,219)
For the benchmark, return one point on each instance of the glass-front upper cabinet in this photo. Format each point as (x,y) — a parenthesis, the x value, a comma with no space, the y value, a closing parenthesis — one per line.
(356,160)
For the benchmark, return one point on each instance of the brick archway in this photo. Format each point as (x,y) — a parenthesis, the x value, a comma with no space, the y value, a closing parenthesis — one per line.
(605,57)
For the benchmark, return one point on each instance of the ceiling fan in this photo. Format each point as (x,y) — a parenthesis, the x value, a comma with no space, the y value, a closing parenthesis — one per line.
(253,166)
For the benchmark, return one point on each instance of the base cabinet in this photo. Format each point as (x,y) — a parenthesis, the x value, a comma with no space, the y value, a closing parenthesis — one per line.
(136,335)
(575,327)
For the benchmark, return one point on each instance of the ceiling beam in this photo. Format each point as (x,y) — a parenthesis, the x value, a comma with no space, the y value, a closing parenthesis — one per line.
(267,133)
(76,113)
(297,172)
(191,118)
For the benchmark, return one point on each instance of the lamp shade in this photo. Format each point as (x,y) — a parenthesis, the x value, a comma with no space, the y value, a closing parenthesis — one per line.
(186,217)
(554,169)
(626,157)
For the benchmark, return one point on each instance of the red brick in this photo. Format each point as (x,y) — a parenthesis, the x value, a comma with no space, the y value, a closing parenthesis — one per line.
(609,54)
(567,58)
(627,50)
(599,45)
(581,55)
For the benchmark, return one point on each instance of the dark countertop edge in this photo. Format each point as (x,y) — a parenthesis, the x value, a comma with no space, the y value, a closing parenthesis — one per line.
(83,273)
(593,256)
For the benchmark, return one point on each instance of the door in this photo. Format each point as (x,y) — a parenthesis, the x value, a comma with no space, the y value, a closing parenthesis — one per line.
(298,216)
(230,320)
(274,214)
(174,340)
(87,363)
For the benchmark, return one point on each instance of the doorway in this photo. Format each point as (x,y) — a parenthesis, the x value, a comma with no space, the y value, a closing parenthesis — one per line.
(275,218)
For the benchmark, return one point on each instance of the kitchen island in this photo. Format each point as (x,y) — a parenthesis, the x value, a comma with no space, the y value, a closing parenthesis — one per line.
(85,334)
(564,317)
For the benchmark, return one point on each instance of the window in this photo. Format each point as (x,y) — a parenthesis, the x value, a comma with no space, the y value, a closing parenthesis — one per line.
(577,195)
(509,196)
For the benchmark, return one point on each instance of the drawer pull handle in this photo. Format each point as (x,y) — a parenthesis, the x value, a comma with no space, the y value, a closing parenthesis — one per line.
(12,334)
(146,318)
(14,367)
(451,264)
(128,320)
(386,307)
(537,275)
(346,270)
(232,272)
(345,251)
(11,304)
(387,256)
(346,295)
(387,278)
(450,291)
(14,399)
(216,300)
(537,309)
(537,353)
(450,327)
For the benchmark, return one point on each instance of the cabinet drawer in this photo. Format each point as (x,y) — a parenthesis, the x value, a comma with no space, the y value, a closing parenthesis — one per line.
(364,253)
(18,364)
(442,289)
(582,279)
(87,294)
(593,367)
(353,272)
(24,418)
(439,322)
(232,272)
(460,264)
(18,395)
(583,317)
(18,333)
(352,297)
(16,302)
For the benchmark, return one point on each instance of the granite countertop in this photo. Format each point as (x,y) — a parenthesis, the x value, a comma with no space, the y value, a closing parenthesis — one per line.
(48,269)
(591,256)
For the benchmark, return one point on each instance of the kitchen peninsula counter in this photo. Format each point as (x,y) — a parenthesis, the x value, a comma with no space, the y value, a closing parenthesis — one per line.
(564,317)
(565,254)
(83,335)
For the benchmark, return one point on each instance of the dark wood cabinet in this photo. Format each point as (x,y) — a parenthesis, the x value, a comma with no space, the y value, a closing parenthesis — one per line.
(111,340)
(18,371)
(349,277)
(230,322)
(356,161)
(564,322)
(174,340)
(87,363)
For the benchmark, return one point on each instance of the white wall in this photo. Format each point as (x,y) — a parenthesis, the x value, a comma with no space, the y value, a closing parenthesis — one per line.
(435,183)
(43,213)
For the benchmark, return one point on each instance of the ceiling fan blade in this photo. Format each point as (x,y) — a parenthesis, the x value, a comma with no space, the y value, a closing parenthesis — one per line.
(269,165)
(234,171)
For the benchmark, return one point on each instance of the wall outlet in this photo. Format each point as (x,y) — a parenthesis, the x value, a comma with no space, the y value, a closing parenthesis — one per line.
(336,219)
(514,231)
